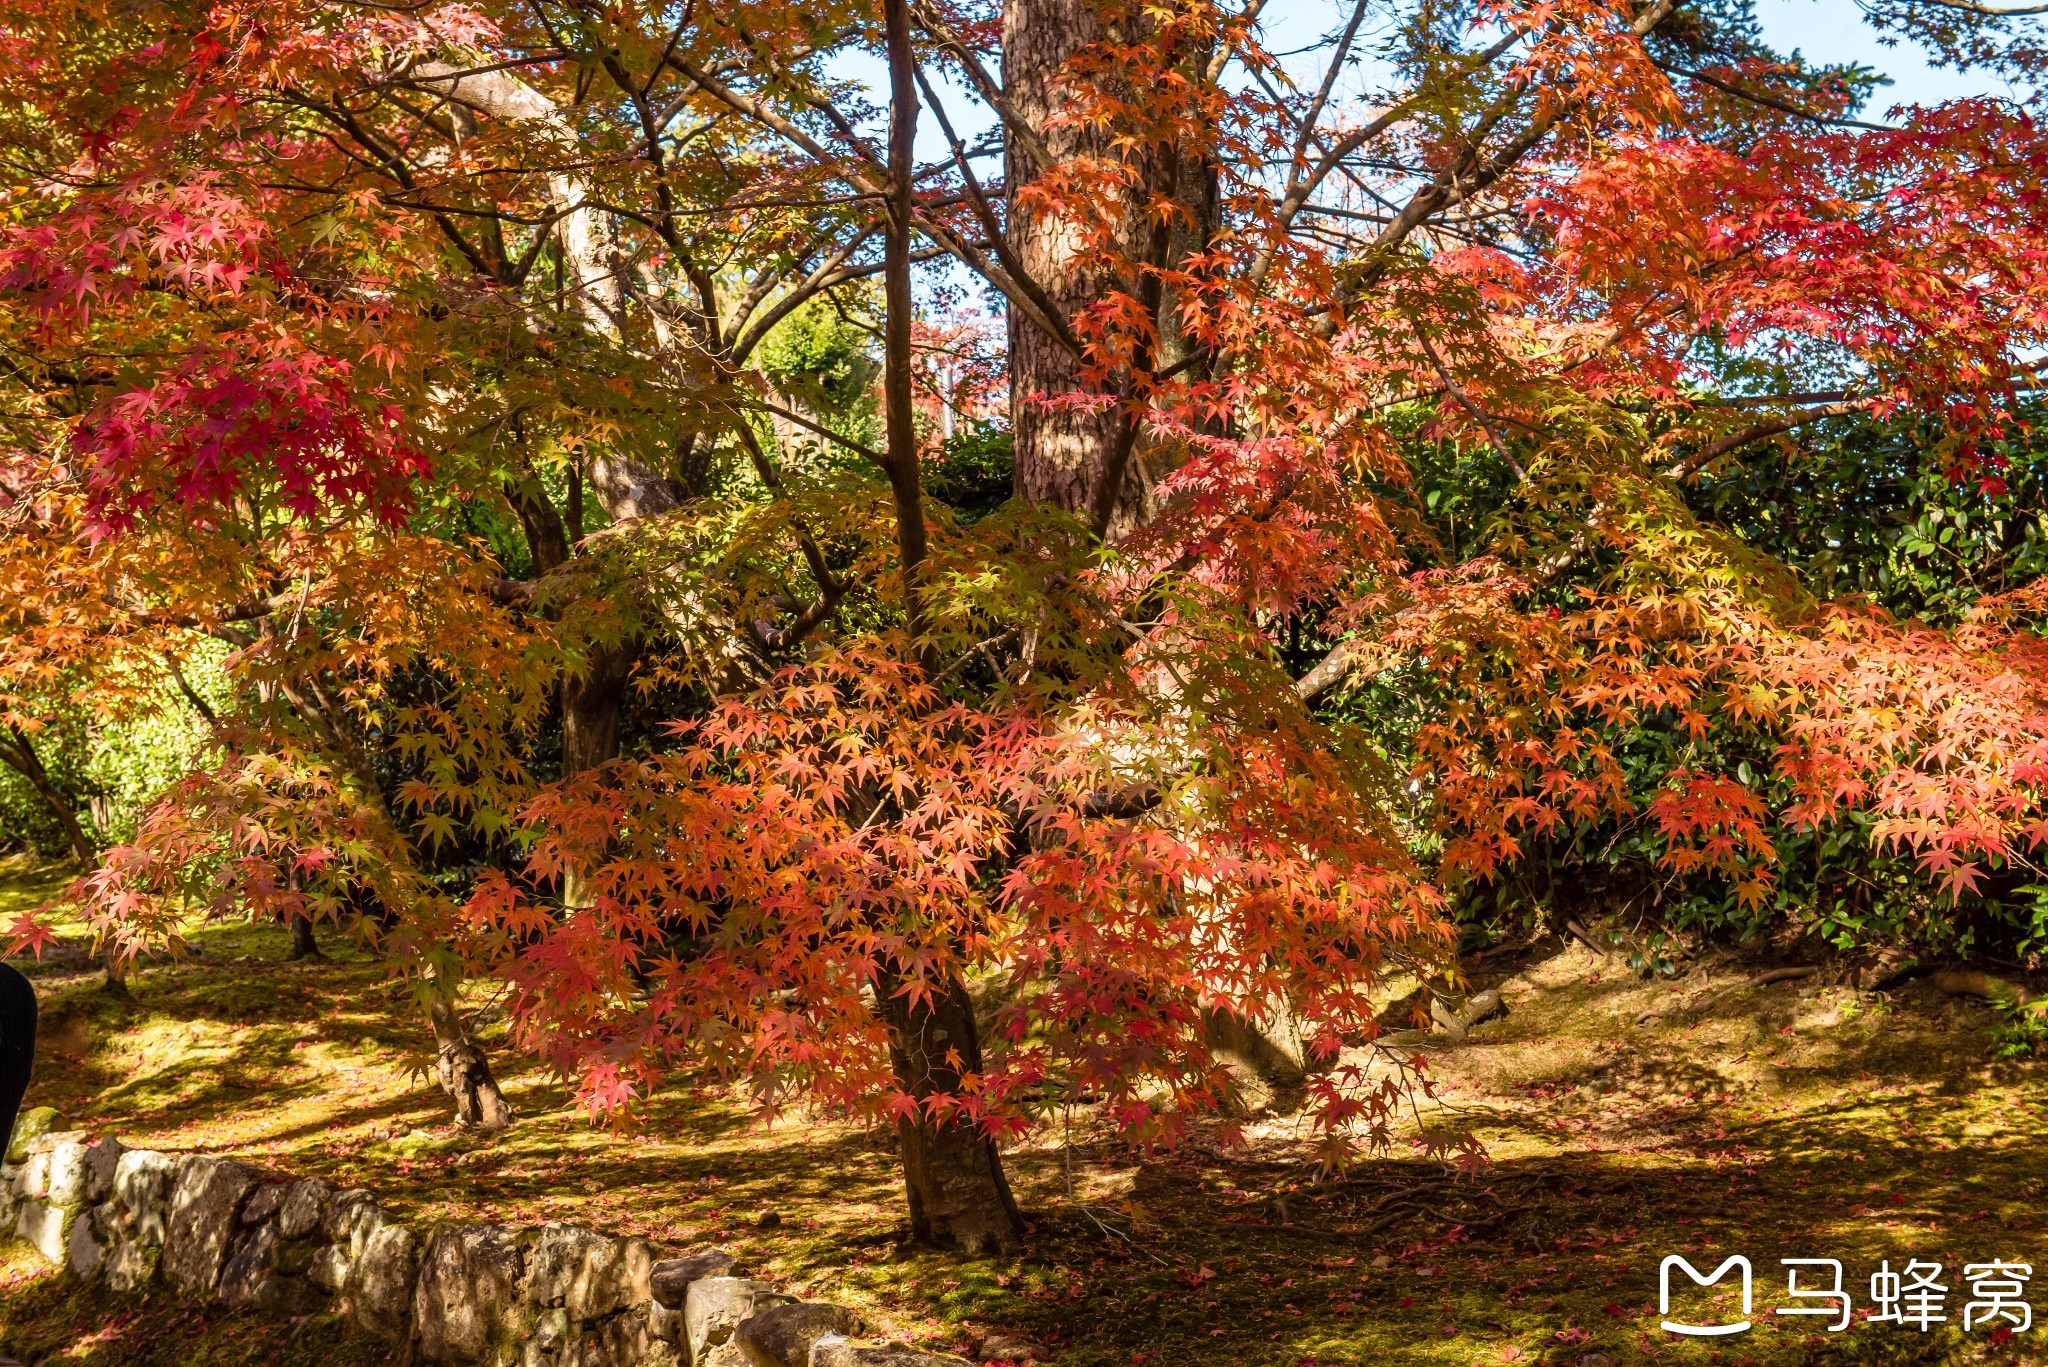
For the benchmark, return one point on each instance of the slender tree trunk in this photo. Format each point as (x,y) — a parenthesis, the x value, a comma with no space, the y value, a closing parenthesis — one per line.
(591,703)
(21,756)
(952,1172)
(304,945)
(465,1074)
(591,698)
(898,414)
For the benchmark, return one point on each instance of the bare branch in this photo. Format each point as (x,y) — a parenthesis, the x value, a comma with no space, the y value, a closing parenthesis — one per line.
(1770,103)
(985,85)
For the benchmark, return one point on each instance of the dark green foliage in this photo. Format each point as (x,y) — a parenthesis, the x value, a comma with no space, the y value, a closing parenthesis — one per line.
(26,822)
(1896,513)
(2022,1029)
(971,472)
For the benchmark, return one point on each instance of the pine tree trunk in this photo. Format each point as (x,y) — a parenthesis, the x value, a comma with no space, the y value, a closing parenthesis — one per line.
(952,1172)
(1060,454)
(1066,456)
(465,1074)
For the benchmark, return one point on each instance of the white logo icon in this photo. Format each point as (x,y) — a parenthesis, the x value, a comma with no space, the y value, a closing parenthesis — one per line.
(1701,1330)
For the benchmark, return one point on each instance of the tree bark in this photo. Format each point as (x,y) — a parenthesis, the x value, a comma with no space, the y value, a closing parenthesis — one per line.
(952,1172)
(898,415)
(591,698)
(591,702)
(304,945)
(1060,453)
(1085,460)
(465,1074)
(20,754)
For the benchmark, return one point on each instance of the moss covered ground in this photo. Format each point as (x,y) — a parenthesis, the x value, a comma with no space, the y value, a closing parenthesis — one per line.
(1799,1119)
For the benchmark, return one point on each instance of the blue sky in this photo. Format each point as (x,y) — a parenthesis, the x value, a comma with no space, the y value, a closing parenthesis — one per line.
(1833,30)
(1825,30)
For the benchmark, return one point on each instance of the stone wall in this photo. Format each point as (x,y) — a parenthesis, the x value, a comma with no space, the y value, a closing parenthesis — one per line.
(217,1230)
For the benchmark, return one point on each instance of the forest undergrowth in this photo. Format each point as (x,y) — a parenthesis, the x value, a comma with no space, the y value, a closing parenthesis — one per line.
(1790,1120)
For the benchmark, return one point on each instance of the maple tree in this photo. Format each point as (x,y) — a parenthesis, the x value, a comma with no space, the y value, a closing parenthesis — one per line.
(418,354)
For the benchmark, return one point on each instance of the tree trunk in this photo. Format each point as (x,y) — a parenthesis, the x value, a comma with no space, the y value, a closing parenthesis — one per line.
(304,946)
(952,1172)
(590,708)
(22,758)
(1068,456)
(465,1073)
(1061,454)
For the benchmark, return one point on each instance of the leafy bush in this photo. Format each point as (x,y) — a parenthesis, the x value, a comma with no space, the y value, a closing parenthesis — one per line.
(112,767)
(1854,506)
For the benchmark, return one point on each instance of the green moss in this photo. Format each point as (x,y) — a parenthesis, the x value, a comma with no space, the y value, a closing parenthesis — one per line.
(55,1322)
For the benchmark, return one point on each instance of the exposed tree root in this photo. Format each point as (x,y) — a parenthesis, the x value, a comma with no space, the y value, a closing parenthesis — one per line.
(1775,975)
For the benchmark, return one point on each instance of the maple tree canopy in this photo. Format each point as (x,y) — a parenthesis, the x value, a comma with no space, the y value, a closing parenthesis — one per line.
(459,366)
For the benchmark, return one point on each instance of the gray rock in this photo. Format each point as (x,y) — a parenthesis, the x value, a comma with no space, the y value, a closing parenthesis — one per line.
(726,1354)
(558,1257)
(347,1219)
(246,1278)
(1010,1348)
(141,1204)
(47,1228)
(470,1305)
(294,1257)
(1269,1052)
(665,1323)
(551,1329)
(621,1341)
(715,1306)
(206,1198)
(329,1268)
(102,1160)
(663,1355)
(293,1296)
(43,1143)
(377,1292)
(33,1181)
(592,1276)
(132,1265)
(669,1282)
(31,1125)
(782,1335)
(83,1251)
(299,1216)
(834,1351)
(67,1174)
(264,1203)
